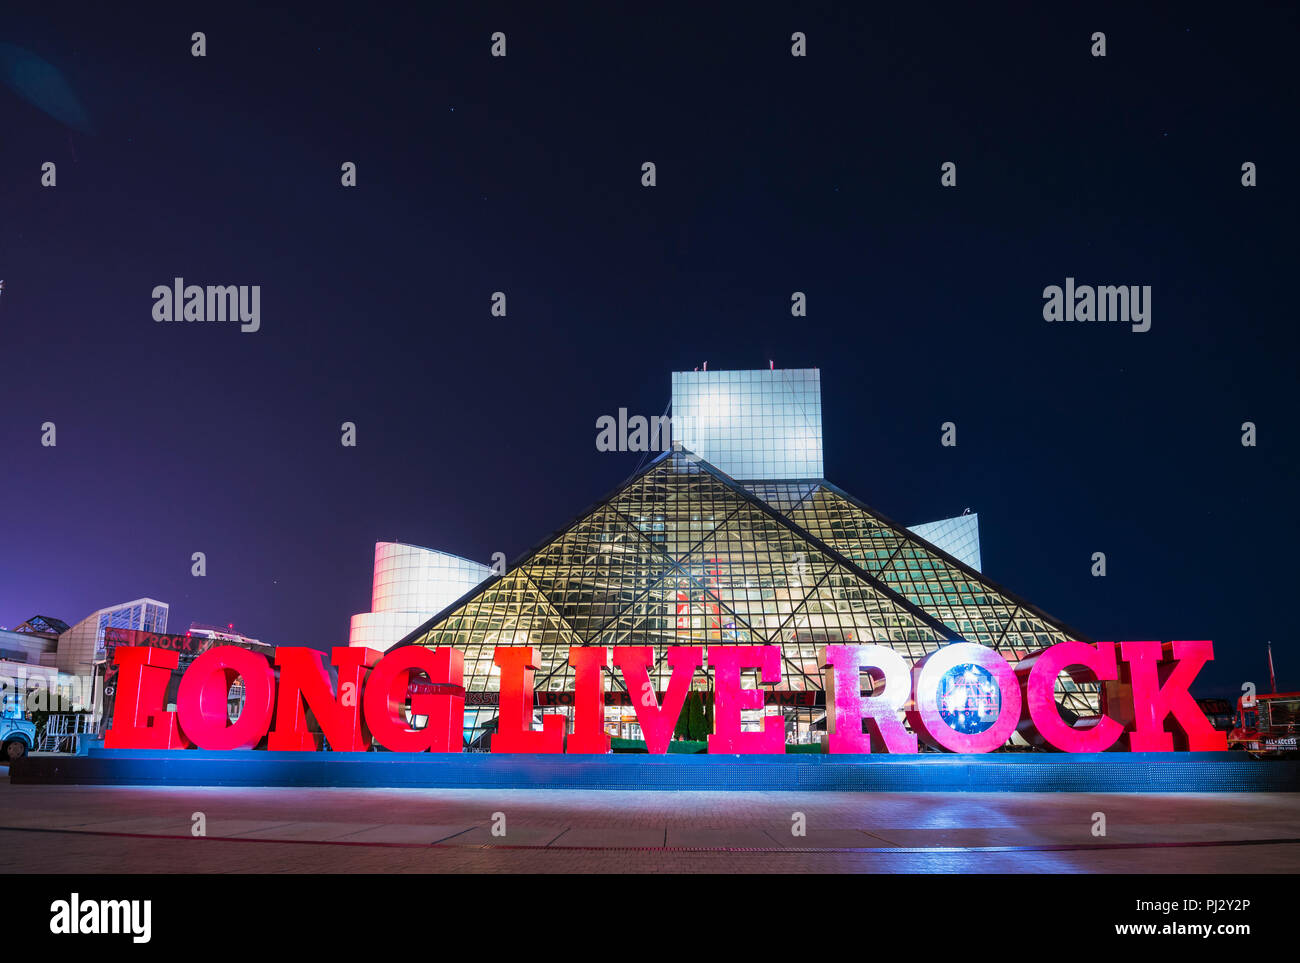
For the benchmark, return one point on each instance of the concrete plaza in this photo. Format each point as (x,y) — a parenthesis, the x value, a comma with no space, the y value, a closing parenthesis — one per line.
(85,830)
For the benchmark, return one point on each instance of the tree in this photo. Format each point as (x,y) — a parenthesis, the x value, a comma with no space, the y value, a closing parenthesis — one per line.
(683,728)
(693,723)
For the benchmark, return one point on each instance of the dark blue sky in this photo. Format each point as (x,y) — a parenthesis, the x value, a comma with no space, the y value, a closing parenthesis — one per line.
(775,174)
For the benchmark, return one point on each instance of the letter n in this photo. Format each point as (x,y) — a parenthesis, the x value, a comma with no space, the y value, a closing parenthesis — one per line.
(303,679)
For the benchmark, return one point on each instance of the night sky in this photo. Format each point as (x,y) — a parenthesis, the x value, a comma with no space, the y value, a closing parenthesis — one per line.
(522,174)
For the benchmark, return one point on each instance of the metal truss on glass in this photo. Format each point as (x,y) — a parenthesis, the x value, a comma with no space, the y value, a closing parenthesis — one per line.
(144,615)
(684,555)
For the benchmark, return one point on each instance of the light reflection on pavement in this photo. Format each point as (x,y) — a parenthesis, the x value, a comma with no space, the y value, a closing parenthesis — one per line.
(149,829)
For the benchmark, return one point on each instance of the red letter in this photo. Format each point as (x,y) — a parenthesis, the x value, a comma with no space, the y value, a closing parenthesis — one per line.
(515,712)
(1159,690)
(205,692)
(589,733)
(729,699)
(846,709)
(303,676)
(387,691)
(657,722)
(139,721)
(969,696)
(1038,674)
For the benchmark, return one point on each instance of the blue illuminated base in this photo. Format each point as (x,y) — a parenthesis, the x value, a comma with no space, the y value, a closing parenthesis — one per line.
(926,772)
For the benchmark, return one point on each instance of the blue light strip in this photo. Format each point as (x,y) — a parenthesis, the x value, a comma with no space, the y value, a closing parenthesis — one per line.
(926,772)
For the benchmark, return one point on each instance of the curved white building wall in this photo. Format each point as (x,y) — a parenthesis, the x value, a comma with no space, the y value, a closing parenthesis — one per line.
(411,585)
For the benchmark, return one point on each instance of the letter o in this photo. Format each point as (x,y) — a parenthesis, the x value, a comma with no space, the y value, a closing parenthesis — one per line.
(204,692)
(927,719)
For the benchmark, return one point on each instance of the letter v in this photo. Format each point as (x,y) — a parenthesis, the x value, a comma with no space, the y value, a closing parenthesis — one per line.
(658,721)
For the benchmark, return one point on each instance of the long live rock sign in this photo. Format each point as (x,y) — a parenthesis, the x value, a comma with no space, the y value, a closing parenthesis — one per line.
(962,698)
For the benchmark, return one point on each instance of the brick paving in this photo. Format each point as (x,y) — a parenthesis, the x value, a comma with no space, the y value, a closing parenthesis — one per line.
(426,830)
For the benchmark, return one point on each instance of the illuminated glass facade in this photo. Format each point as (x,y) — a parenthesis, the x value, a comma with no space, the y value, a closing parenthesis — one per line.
(685,555)
(959,537)
(751,424)
(83,644)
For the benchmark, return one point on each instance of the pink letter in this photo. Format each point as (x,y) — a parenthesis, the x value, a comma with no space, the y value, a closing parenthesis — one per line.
(846,709)
(1161,689)
(1038,675)
(969,697)
(729,699)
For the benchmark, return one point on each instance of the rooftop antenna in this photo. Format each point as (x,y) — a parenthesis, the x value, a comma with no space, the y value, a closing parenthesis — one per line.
(1272,676)
(706,366)
(771,366)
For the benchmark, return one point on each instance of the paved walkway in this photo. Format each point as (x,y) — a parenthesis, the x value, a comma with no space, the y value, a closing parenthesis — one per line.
(339,830)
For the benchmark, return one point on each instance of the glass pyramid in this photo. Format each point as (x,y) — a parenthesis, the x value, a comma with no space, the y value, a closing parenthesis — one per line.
(684,555)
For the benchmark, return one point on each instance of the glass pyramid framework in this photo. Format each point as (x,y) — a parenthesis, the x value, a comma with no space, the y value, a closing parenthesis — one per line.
(684,555)
(960,597)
